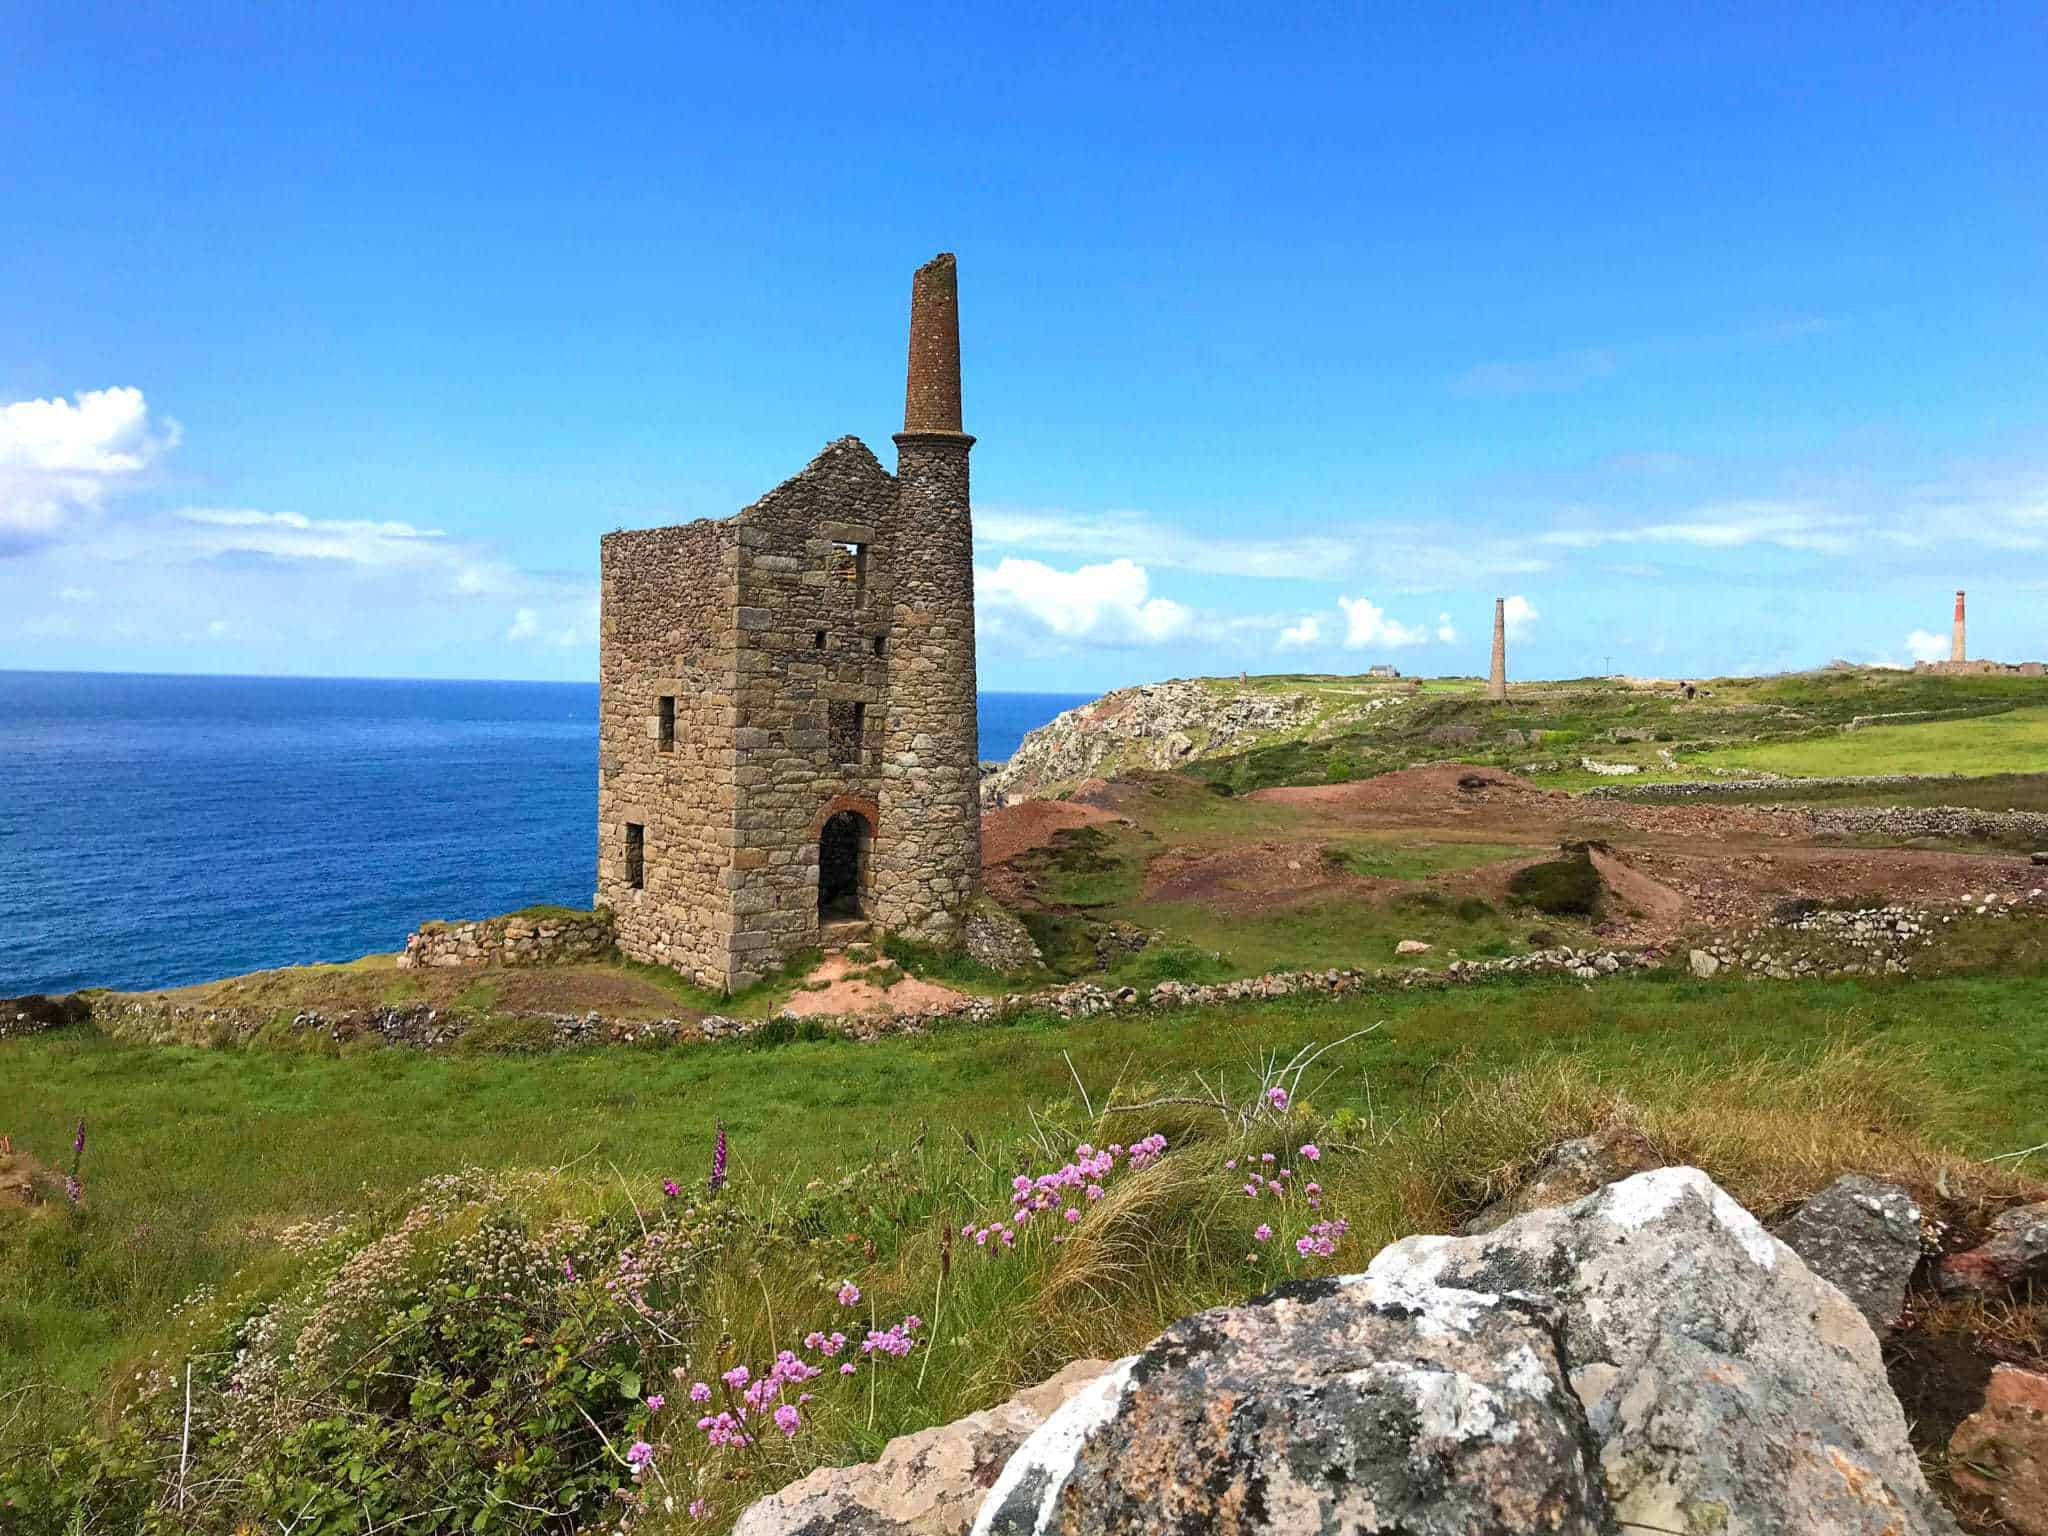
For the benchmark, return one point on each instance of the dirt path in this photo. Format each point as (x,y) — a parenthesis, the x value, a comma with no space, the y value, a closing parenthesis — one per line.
(844,992)
(1014,829)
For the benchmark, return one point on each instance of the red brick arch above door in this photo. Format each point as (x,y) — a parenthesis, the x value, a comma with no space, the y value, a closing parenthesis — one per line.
(864,804)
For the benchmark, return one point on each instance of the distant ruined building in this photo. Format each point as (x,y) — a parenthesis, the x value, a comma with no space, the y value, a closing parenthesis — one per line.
(788,732)
(1958,656)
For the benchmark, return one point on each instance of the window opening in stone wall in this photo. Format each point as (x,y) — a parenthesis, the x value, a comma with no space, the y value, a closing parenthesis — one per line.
(665,731)
(842,850)
(850,566)
(636,855)
(845,723)
(818,640)
(881,642)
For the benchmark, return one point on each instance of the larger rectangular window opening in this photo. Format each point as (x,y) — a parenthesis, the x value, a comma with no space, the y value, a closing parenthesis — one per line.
(665,730)
(636,855)
(850,567)
(845,724)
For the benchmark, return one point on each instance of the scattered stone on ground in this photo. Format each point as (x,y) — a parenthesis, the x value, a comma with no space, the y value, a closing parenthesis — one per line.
(2015,1253)
(35,1013)
(1617,1363)
(2000,1453)
(996,937)
(1413,947)
(1863,1236)
(926,1484)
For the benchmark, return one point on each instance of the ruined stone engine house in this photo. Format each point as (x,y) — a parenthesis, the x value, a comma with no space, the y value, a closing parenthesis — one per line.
(788,738)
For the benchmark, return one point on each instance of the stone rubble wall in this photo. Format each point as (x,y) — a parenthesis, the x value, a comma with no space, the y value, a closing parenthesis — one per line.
(510,940)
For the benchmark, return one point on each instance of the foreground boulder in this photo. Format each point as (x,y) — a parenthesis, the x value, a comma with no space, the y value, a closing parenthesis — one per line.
(1862,1236)
(927,1484)
(1646,1358)
(2000,1453)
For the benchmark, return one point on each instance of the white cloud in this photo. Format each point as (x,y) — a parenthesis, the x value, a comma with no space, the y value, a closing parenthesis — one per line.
(1922,645)
(1300,636)
(1410,556)
(1446,631)
(1368,626)
(1519,614)
(1108,604)
(217,531)
(61,459)
(1730,525)
(1543,375)
(525,625)
(75,595)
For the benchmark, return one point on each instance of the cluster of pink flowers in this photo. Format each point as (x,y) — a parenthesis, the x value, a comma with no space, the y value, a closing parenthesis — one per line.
(1064,1191)
(1322,1238)
(1280,1184)
(895,1340)
(750,1397)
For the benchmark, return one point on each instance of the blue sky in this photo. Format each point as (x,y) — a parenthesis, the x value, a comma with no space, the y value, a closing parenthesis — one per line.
(1716,336)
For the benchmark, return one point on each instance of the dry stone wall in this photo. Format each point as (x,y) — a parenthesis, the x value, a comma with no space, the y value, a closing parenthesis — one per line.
(518,939)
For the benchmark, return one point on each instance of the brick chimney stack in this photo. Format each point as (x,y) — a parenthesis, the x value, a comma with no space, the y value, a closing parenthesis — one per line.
(1497,679)
(931,398)
(1955,645)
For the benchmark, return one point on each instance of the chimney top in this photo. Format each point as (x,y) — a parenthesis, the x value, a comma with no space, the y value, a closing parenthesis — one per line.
(931,396)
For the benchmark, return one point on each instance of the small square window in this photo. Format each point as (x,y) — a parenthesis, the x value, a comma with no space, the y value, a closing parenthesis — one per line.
(636,855)
(665,729)
(881,644)
(818,640)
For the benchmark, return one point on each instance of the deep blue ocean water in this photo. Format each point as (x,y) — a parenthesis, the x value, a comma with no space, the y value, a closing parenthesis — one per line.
(156,831)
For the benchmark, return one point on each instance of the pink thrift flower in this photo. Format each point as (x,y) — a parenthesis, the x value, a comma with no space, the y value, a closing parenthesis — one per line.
(699,1392)
(846,1369)
(656,1403)
(1312,1152)
(786,1419)
(1277,1097)
(1072,1214)
(1263,1233)
(699,1508)
(849,1294)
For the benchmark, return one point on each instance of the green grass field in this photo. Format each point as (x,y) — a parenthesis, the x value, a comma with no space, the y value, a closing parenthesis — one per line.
(2015,742)
(851,1160)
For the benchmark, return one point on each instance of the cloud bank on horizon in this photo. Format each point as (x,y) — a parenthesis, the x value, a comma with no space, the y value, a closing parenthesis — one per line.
(96,543)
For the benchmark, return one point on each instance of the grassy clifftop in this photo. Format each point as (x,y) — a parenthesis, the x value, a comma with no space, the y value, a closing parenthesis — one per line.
(1296,729)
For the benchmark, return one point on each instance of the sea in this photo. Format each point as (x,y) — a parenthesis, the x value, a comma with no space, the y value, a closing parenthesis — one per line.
(157,830)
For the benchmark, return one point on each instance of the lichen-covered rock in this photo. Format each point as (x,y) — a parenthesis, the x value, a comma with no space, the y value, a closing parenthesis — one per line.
(2000,1452)
(1571,1171)
(2015,1252)
(1325,1406)
(926,1484)
(1863,1237)
(1646,1358)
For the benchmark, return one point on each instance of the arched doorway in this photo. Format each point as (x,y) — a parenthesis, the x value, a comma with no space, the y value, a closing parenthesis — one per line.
(842,861)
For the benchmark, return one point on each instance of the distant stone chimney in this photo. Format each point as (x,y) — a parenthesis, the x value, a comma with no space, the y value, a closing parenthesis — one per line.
(931,398)
(1497,679)
(1955,644)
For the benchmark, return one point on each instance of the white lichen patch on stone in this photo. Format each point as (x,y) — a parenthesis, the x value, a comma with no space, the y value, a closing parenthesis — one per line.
(1636,1202)
(1049,1455)
(1450,1407)
(1440,1311)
